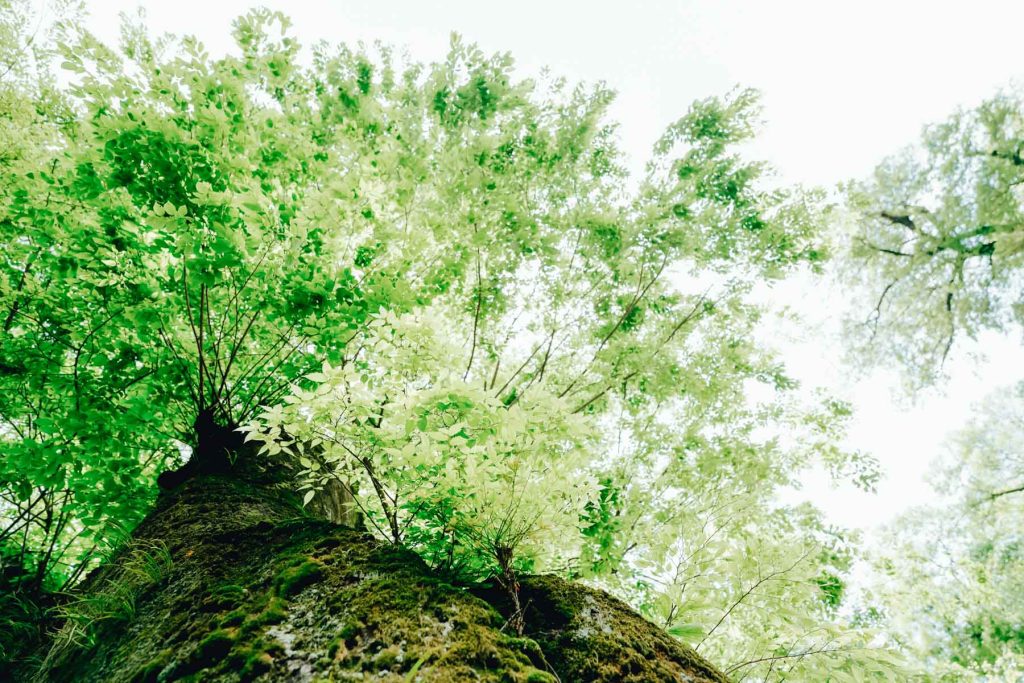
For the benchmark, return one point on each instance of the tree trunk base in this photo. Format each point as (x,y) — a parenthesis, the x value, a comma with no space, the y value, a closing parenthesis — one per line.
(228,581)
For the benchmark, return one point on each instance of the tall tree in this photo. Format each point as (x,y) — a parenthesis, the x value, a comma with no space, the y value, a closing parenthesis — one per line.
(938,238)
(430,297)
(936,249)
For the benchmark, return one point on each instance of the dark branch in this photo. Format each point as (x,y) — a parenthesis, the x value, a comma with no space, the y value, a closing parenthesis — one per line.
(1006,492)
(904,220)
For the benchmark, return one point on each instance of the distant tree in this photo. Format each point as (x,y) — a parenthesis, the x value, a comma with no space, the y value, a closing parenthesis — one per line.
(936,251)
(937,242)
(950,578)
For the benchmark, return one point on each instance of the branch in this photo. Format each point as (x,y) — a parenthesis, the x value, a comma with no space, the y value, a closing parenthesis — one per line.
(878,308)
(1006,492)
(520,369)
(904,220)
(958,270)
(746,594)
(254,396)
(1014,157)
(17,291)
(537,376)
(234,353)
(476,316)
(825,649)
(884,250)
(583,406)
(641,292)
(693,312)
(196,336)
(81,347)
(181,361)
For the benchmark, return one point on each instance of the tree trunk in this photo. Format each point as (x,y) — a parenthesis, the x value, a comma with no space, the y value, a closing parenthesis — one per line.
(229,579)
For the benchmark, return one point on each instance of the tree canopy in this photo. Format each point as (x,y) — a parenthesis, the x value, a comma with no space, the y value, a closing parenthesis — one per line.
(949,577)
(436,285)
(937,248)
(937,241)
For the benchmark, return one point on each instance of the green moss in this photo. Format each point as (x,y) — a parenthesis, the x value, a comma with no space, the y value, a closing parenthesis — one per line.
(541,677)
(589,635)
(255,658)
(387,658)
(210,652)
(256,664)
(382,613)
(266,611)
(224,597)
(330,543)
(334,647)
(233,618)
(274,611)
(150,672)
(229,591)
(214,646)
(527,646)
(296,576)
(349,631)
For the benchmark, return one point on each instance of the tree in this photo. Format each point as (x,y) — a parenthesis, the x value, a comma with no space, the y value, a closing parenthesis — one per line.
(429,296)
(937,247)
(937,238)
(950,577)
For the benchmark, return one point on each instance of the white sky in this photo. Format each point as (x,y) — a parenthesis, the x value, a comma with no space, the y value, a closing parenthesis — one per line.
(844,84)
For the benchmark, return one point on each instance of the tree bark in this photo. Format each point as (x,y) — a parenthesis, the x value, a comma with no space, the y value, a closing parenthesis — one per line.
(230,579)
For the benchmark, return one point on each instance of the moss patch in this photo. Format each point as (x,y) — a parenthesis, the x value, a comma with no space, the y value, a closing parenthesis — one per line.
(587,635)
(258,594)
(299,573)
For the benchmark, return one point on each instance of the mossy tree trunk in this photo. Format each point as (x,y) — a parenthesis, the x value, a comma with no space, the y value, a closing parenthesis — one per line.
(230,579)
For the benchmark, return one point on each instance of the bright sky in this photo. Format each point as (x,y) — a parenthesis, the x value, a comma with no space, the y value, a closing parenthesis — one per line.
(844,84)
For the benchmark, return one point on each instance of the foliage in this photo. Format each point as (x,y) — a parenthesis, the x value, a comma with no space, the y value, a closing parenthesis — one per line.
(937,240)
(938,243)
(951,578)
(83,616)
(436,285)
